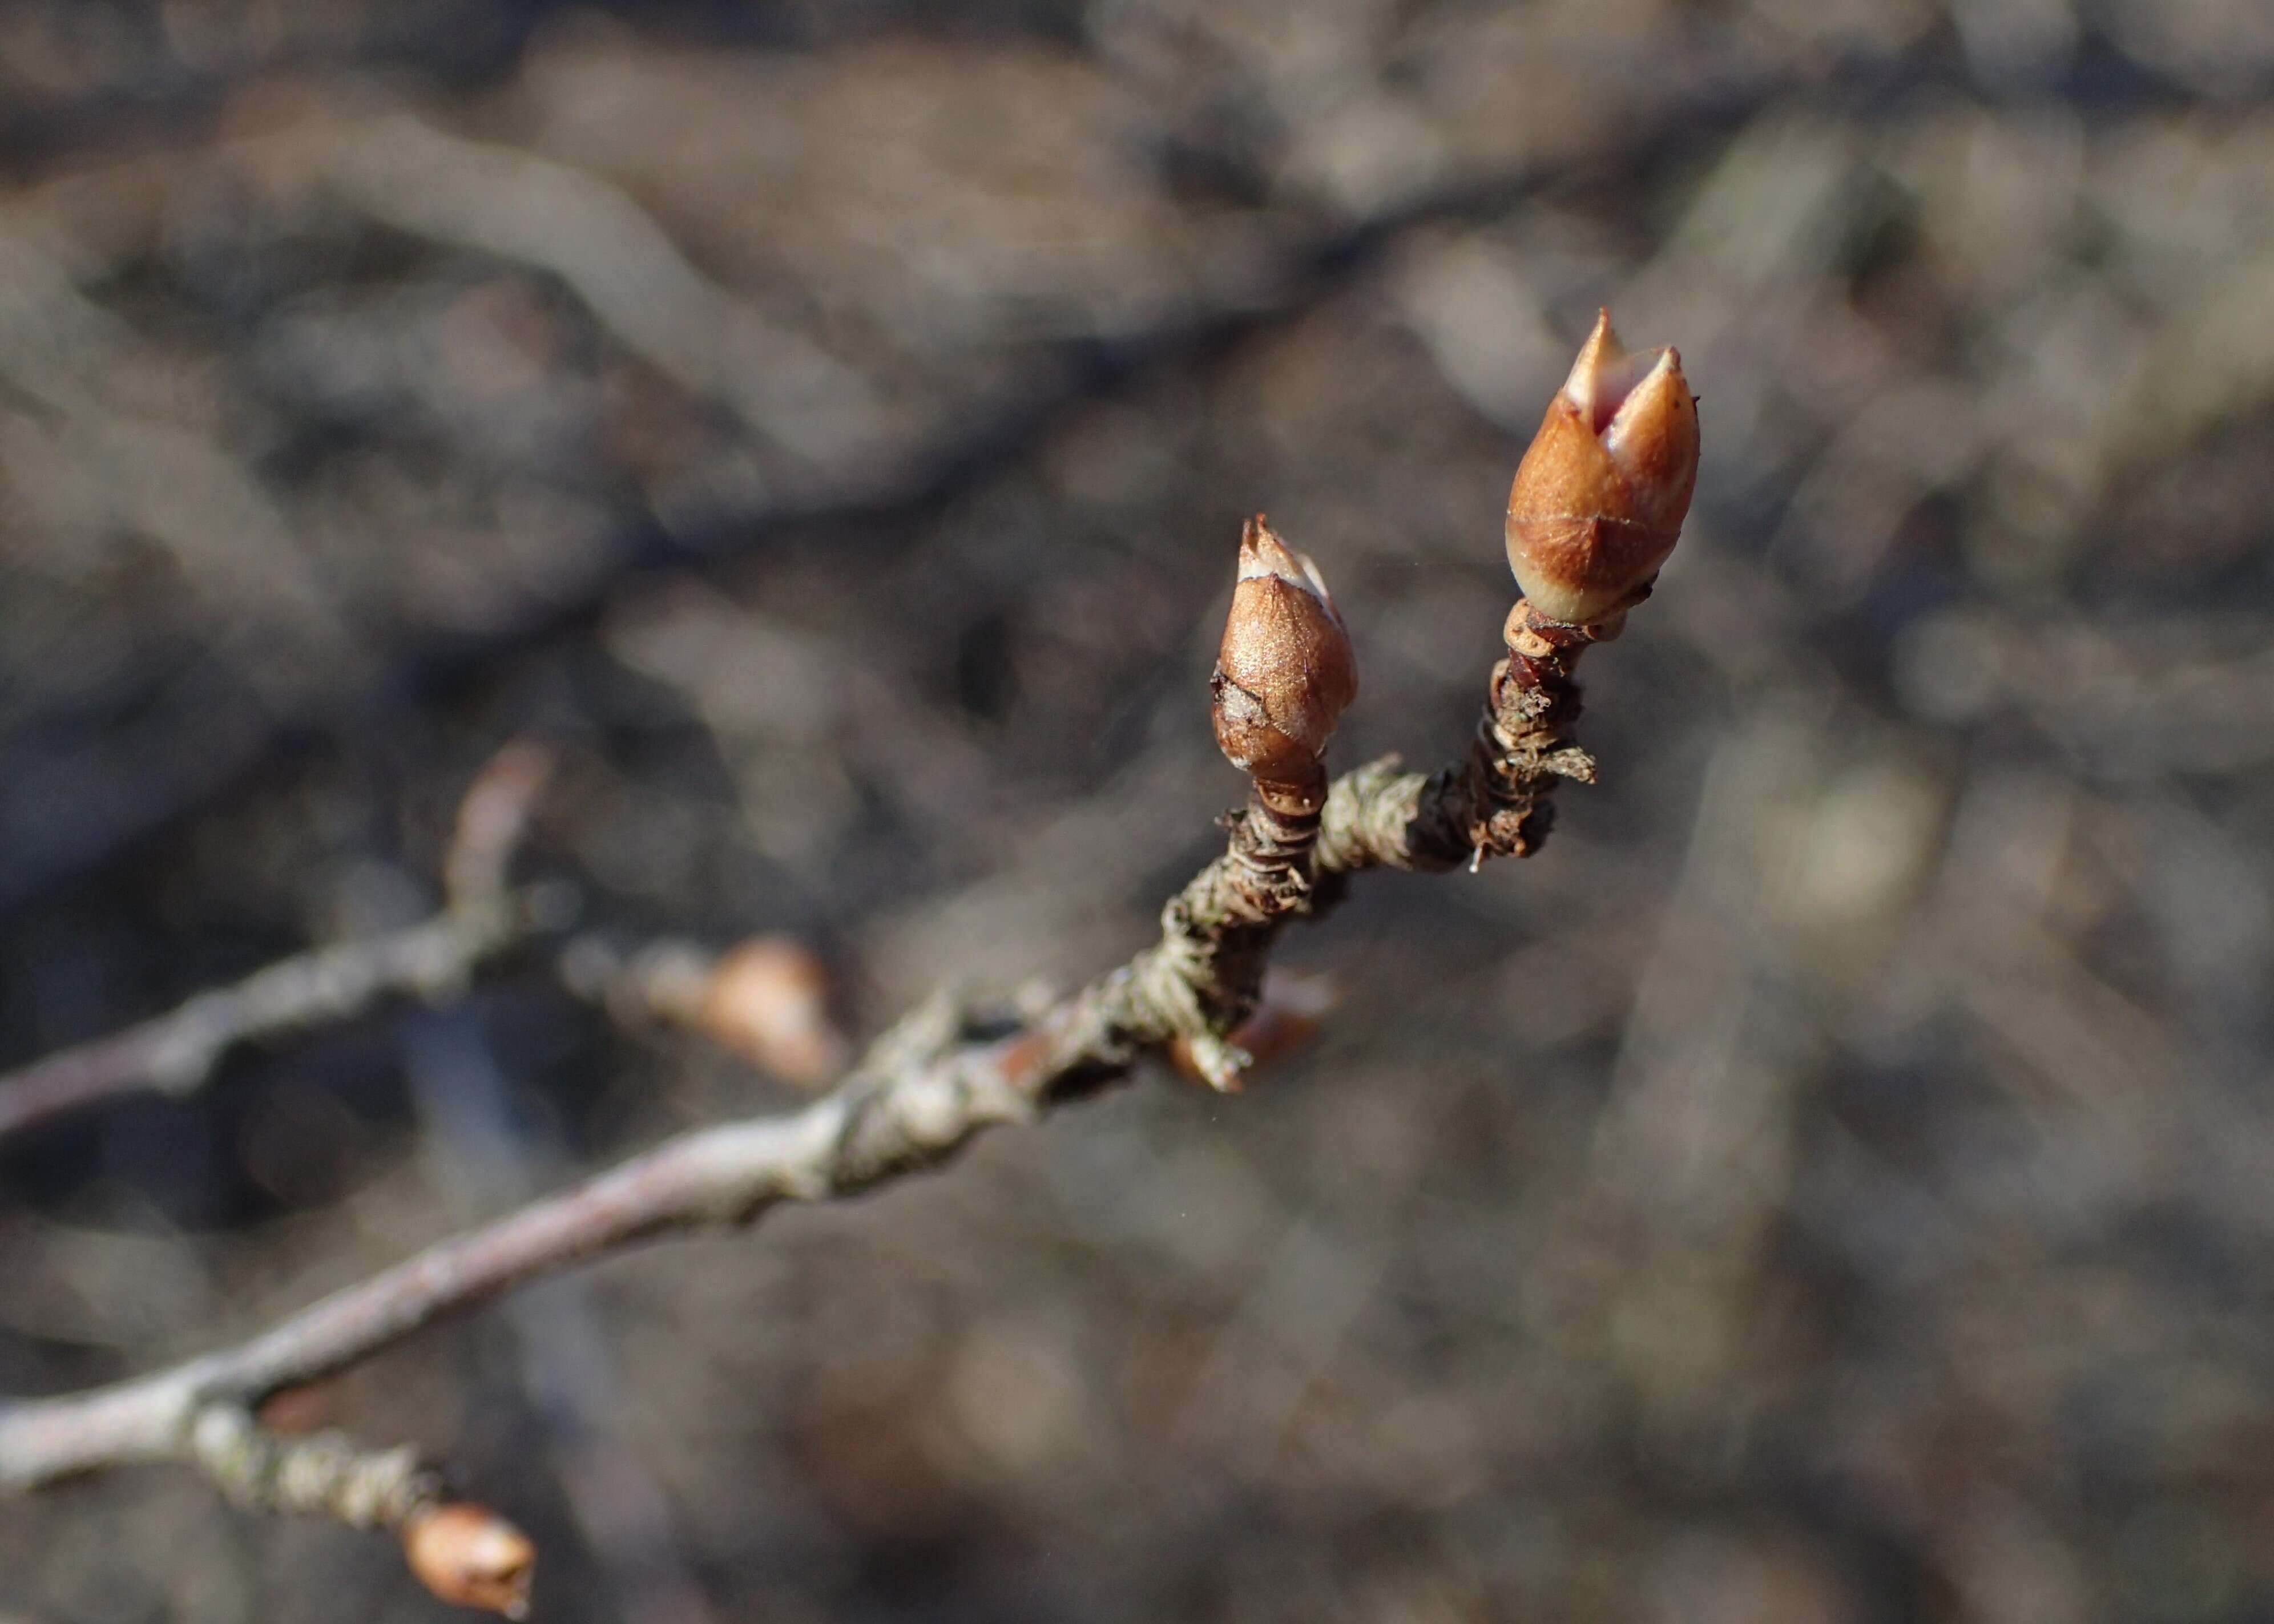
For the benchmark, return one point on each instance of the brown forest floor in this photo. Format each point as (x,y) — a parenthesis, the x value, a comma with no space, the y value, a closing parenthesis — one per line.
(1833,1182)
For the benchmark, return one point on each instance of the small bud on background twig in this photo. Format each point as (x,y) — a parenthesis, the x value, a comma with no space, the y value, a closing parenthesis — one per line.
(471,1557)
(1285,673)
(768,1001)
(1289,1011)
(298,1411)
(1598,500)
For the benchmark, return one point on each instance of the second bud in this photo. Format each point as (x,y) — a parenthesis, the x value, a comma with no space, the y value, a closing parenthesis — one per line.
(1285,673)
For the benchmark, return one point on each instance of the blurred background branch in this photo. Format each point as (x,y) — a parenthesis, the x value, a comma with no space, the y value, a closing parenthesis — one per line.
(1830,1184)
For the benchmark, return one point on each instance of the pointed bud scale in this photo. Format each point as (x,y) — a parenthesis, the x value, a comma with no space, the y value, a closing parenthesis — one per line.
(1600,497)
(1286,671)
(471,1557)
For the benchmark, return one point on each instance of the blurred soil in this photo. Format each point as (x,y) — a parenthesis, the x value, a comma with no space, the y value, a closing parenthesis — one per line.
(1833,1182)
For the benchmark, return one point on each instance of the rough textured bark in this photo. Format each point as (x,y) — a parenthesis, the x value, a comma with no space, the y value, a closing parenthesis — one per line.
(921,1092)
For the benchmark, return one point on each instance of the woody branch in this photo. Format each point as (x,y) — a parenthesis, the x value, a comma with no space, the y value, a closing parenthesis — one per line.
(1617,450)
(176,1053)
(919,1095)
(762,998)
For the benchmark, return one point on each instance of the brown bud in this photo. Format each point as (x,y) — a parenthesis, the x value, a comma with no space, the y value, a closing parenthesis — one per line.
(1598,500)
(295,1412)
(768,1001)
(1289,1011)
(1286,671)
(471,1557)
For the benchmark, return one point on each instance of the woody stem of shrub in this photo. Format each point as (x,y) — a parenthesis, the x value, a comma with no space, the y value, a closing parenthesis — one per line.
(924,1089)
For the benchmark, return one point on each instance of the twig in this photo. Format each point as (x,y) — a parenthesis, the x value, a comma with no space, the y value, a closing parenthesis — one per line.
(764,1000)
(909,1106)
(464,1552)
(566,1370)
(924,1090)
(325,1472)
(1286,672)
(176,1053)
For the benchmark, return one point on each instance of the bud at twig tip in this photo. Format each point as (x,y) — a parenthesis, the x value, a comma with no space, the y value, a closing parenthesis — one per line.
(768,1001)
(1286,672)
(470,1557)
(1598,500)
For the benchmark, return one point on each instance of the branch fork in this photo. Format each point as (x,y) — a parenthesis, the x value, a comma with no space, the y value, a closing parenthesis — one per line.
(1592,513)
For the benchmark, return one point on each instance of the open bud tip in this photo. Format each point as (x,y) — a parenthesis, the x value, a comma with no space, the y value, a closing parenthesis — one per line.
(1599,500)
